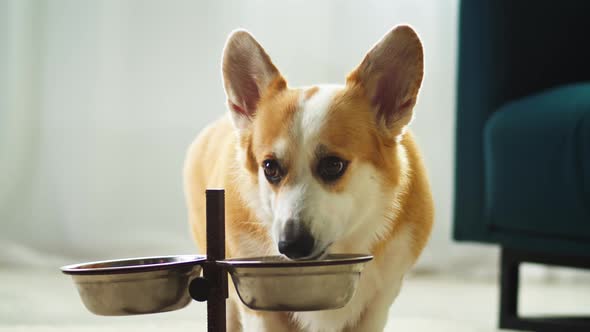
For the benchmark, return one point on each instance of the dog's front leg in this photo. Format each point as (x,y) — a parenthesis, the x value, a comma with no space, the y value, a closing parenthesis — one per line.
(233,316)
(374,316)
(264,321)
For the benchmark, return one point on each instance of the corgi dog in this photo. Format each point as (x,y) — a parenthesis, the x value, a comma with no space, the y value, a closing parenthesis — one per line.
(317,170)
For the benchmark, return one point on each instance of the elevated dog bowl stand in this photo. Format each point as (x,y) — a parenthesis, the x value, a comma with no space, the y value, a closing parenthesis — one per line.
(105,286)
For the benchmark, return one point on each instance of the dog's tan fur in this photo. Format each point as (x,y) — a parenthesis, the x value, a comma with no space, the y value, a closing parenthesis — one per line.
(225,157)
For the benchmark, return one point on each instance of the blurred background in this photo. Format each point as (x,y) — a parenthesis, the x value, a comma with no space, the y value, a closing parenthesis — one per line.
(100,99)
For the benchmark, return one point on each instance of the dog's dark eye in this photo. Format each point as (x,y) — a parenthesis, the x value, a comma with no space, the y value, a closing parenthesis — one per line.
(331,168)
(272,171)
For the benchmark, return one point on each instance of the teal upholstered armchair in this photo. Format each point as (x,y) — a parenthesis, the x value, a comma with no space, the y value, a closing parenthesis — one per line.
(523,139)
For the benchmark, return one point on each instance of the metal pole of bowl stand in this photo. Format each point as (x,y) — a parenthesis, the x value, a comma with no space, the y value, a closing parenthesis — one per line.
(213,273)
(212,286)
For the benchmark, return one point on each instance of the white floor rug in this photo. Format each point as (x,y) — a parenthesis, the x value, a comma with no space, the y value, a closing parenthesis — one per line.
(45,300)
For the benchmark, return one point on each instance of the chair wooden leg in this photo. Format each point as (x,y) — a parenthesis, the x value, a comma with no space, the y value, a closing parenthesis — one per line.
(509,285)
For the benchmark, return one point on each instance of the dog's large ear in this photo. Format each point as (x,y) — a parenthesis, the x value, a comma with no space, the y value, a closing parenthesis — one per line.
(390,76)
(248,73)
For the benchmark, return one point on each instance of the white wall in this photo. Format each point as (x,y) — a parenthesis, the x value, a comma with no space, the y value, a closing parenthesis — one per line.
(112,92)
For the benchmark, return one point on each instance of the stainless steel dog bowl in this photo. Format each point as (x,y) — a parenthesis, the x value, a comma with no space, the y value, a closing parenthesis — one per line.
(275,284)
(137,285)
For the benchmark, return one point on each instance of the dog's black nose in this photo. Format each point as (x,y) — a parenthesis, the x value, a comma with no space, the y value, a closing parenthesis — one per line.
(295,240)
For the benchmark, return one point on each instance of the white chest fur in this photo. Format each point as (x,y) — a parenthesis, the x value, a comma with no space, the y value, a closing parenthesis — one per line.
(378,286)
